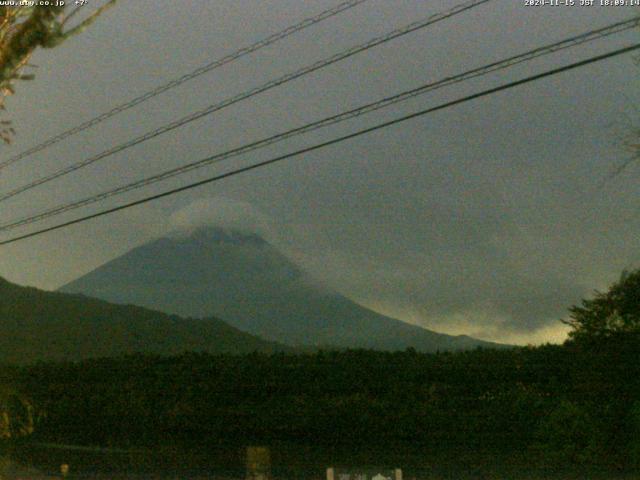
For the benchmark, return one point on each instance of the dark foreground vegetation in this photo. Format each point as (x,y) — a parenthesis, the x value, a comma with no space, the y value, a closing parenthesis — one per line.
(561,408)
(554,405)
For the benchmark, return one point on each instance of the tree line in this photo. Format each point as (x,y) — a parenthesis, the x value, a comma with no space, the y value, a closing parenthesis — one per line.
(573,404)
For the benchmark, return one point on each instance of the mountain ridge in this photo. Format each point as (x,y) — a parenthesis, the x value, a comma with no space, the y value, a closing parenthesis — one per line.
(40,325)
(244,279)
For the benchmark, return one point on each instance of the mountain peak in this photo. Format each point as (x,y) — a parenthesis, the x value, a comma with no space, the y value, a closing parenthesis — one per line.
(236,275)
(216,235)
(231,219)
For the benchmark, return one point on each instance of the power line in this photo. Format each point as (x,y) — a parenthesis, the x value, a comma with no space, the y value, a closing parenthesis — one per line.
(250,93)
(318,146)
(307,22)
(353,113)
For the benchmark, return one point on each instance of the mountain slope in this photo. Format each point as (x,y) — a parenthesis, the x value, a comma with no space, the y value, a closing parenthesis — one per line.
(245,280)
(39,325)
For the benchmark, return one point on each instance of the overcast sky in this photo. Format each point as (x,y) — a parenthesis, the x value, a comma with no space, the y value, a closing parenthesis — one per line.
(484,219)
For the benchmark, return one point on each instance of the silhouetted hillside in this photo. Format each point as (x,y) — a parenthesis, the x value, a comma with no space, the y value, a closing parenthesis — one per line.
(40,325)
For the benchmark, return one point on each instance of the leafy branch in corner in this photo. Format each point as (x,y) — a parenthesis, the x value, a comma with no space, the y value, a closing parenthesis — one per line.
(22,31)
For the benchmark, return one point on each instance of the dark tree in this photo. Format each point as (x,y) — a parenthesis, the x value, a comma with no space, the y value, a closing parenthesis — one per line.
(614,314)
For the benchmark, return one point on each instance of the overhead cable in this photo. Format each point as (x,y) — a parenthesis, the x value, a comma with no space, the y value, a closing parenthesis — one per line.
(412,27)
(325,144)
(307,22)
(331,120)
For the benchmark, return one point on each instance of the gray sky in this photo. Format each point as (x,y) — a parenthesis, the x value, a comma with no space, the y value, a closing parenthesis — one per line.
(482,219)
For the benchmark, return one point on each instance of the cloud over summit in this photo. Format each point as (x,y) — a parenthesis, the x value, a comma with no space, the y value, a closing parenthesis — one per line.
(224,213)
